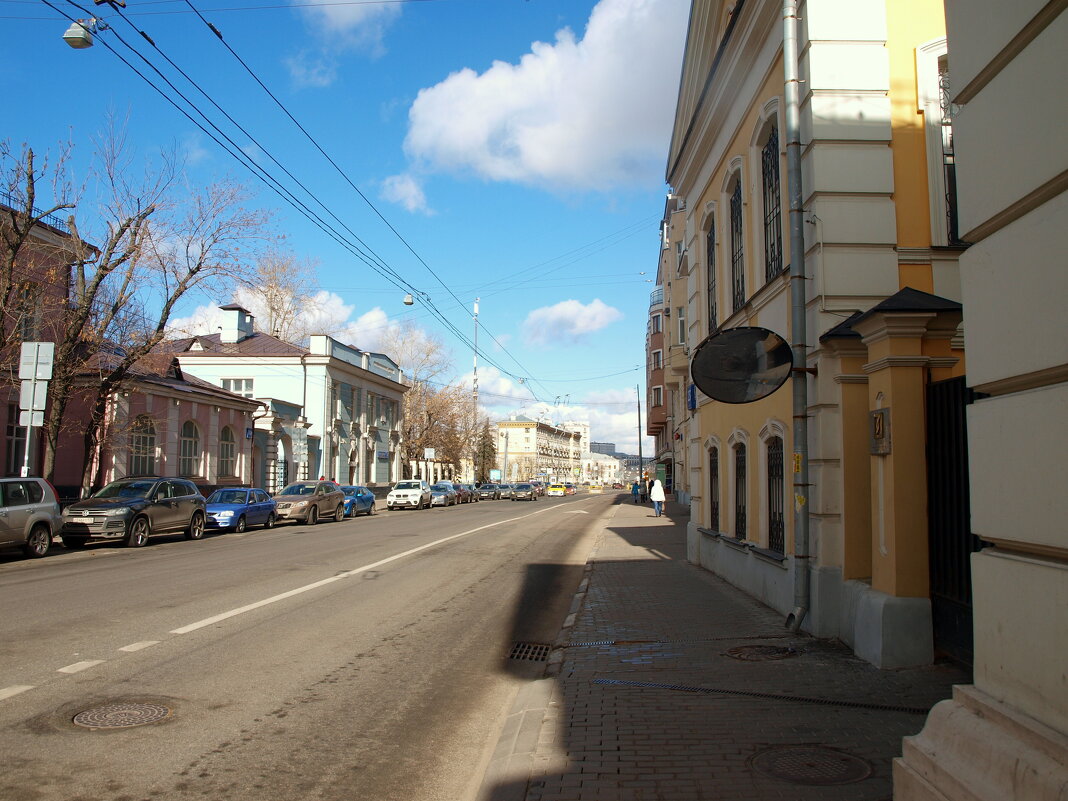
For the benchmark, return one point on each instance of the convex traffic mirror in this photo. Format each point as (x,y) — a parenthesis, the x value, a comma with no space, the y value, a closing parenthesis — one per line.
(741,365)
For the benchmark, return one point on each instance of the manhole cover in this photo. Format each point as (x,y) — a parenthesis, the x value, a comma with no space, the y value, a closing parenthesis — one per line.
(760,653)
(810,764)
(530,651)
(121,716)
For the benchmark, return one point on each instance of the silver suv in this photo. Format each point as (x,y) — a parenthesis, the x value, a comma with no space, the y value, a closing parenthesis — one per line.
(133,509)
(29,515)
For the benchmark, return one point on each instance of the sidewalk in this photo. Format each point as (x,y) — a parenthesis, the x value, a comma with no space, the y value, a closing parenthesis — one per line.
(669,683)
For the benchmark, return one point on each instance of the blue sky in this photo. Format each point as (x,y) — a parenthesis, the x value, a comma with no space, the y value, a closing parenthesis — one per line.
(517,146)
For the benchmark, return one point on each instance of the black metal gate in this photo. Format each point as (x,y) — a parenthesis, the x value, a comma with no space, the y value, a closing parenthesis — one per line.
(950,539)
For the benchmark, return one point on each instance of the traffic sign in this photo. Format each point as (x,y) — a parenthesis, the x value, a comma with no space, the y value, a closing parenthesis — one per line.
(35,360)
(34,395)
(28,418)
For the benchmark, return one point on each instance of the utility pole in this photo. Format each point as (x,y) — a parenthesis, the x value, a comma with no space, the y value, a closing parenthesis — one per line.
(474,403)
(641,462)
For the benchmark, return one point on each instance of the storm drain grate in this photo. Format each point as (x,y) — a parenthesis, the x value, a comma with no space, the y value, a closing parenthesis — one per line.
(810,764)
(121,716)
(530,651)
(801,699)
(761,653)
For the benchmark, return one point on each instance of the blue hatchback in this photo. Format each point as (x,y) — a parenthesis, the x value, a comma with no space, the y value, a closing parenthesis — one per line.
(237,508)
(358,500)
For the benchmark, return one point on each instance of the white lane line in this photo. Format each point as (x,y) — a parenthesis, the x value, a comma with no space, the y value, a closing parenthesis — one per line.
(15,689)
(347,574)
(137,646)
(78,667)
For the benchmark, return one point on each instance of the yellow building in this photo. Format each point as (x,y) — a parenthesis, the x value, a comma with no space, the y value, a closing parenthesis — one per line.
(883,314)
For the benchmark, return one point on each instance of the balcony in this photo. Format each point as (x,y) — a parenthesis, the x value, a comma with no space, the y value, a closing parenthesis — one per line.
(656,297)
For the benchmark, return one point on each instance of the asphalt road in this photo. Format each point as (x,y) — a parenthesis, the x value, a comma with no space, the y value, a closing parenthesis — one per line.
(364,659)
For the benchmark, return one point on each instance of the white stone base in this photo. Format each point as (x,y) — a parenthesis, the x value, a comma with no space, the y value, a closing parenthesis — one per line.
(974,748)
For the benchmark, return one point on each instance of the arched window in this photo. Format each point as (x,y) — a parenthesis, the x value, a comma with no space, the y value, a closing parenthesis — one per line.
(713,488)
(740,494)
(769,170)
(227,453)
(737,246)
(189,454)
(776,492)
(142,461)
(710,260)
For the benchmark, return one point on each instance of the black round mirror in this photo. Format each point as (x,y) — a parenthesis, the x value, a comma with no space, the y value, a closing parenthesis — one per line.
(741,365)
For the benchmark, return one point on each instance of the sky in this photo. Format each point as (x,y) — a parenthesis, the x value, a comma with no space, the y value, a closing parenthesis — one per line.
(507,150)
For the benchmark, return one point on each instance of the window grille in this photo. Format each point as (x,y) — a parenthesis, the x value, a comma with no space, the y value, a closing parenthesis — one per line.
(142,461)
(189,453)
(772,205)
(739,492)
(776,490)
(710,254)
(713,489)
(737,247)
(227,453)
(16,441)
(949,164)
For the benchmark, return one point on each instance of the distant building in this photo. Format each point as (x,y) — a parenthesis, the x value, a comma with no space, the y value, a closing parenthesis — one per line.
(529,448)
(583,430)
(608,448)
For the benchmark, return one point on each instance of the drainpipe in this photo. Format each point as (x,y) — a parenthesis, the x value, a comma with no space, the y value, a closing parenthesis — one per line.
(799,332)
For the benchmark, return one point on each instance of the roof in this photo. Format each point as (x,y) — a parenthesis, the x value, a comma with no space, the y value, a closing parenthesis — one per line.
(905,300)
(257,344)
(163,370)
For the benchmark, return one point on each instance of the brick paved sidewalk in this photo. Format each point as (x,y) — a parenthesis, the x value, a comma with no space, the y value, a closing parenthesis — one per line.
(672,684)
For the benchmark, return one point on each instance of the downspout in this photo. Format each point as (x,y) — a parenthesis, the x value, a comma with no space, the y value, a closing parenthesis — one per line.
(798,322)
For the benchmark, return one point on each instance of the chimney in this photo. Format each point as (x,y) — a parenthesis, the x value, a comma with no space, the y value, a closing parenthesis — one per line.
(236,324)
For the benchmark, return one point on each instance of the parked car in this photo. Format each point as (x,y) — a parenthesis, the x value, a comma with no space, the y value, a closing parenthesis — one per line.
(29,515)
(134,509)
(470,493)
(308,501)
(237,508)
(556,491)
(412,494)
(489,492)
(524,492)
(443,494)
(358,500)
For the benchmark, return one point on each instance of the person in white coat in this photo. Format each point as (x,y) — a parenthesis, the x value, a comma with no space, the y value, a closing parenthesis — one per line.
(657,496)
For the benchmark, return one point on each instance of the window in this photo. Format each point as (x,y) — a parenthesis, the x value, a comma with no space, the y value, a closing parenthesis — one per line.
(16,441)
(739,491)
(713,489)
(776,488)
(28,309)
(772,203)
(658,396)
(680,316)
(227,453)
(142,459)
(658,359)
(657,324)
(239,386)
(935,101)
(710,255)
(737,246)
(189,454)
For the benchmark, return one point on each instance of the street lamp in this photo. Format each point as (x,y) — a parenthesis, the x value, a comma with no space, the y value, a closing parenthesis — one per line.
(80,33)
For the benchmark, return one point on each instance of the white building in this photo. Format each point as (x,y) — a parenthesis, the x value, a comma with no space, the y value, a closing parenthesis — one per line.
(332,410)
(529,448)
(599,468)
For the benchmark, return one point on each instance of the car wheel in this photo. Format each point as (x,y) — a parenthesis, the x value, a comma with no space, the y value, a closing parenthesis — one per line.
(339,512)
(137,536)
(240,525)
(74,542)
(39,541)
(313,516)
(270,521)
(196,527)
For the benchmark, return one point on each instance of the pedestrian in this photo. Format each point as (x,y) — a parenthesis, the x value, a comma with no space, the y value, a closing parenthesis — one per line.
(643,490)
(634,491)
(657,496)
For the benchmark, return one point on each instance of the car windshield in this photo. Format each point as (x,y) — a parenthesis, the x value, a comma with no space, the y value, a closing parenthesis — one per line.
(523,487)
(298,489)
(407,485)
(126,489)
(441,487)
(351,492)
(228,496)
(487,486)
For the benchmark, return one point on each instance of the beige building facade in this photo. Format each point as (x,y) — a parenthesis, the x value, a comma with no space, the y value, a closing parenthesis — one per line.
(533,449)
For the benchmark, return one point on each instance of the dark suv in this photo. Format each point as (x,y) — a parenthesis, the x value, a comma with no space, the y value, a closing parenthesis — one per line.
(133,509)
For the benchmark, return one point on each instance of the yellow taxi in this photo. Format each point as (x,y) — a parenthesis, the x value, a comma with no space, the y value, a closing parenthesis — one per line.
(596,488)
(556,490)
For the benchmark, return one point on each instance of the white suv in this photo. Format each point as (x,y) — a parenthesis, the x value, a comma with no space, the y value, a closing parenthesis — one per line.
(412,494)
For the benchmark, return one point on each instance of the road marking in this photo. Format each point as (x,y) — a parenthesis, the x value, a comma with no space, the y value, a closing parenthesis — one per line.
(208,621)
(576,512)
(137,646)
(7,692)
(78,667)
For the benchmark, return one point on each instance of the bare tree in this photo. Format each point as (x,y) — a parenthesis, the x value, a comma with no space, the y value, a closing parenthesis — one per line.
(279,294)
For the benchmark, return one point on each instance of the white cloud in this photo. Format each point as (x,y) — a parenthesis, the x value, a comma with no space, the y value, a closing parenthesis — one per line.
(405,190)
(568,320)
(353,25)
(308,69)
(582,114)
